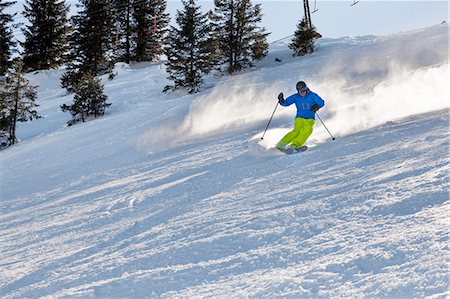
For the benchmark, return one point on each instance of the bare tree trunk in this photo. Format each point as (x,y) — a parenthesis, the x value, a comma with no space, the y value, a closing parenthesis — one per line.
(307,13)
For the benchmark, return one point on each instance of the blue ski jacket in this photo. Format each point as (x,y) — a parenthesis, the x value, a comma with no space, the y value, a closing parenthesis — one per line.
(304,104)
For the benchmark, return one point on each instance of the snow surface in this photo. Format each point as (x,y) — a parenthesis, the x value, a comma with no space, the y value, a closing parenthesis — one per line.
(176,195)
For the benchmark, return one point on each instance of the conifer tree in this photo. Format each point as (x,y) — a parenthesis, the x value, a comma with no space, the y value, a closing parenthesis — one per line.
(304,37)
(150,27)
(7,44)
(17,103)
(91,42)
(189,56)
(4,118)
(46,42)
(239,39)
(123,26)
(89,100)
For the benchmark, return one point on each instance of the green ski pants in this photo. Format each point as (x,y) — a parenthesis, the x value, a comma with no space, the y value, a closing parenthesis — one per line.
(302,130)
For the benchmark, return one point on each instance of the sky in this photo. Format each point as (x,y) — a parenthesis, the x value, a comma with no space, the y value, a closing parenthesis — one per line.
(338,18)
(333,18)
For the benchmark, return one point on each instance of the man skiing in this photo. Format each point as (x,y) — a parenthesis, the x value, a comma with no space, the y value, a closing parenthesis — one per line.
(307,103)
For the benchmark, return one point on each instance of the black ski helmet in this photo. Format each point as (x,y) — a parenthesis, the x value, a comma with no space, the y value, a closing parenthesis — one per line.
(301,86)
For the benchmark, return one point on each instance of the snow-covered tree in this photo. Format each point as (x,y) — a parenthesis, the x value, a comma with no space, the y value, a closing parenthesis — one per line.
(187,50)
(7,43)
(236,33)
(89,100)
(17,103)
(46,43)
(304,37)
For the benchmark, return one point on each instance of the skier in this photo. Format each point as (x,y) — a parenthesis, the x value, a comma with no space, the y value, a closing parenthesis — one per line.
(307,103)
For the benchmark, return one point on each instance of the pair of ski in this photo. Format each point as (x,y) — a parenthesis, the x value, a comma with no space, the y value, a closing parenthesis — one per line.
(290,150)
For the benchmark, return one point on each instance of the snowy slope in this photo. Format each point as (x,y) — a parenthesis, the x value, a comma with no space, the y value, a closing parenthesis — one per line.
(176,196)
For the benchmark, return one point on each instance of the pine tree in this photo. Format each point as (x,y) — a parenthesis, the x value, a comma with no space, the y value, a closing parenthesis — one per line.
(150,27)
(91,42)
(139,29)
(239,39)
(89,100)
(304,37)
(189,56)
(17,100)
(123,24)
(7,44)
(46,44)
(4,116)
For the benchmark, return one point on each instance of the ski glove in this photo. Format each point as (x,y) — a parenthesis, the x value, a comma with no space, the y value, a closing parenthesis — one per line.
(315,108)
(281,98)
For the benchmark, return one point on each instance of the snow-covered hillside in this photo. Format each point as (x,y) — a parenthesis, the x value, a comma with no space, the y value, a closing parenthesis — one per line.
(176,195)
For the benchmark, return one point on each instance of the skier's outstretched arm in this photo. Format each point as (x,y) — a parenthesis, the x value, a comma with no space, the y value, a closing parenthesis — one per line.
(285,102)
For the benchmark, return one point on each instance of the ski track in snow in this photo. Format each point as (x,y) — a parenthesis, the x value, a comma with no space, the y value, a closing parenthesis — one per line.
(176,227)
(365,215)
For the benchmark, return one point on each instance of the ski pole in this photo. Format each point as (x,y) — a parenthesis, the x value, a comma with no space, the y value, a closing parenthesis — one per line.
(325,126)
(269,121)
